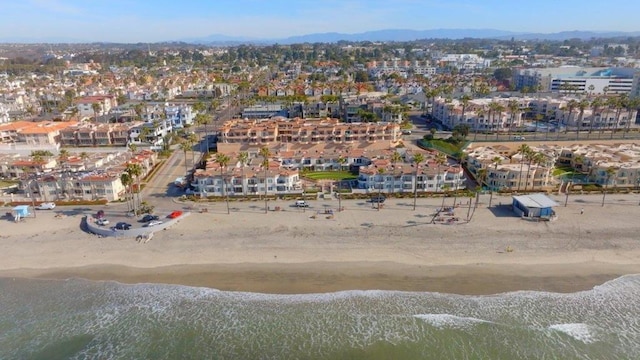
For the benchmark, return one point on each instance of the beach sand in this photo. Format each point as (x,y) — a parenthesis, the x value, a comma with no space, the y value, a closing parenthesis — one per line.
(358,249)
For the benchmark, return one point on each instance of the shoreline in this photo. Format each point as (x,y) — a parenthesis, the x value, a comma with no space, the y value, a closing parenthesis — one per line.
(327,277)
(292,251)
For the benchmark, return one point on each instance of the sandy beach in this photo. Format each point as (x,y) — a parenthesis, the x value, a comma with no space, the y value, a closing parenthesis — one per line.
(360,248)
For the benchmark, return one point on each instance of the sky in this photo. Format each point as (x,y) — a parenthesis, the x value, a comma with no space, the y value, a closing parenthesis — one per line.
(164,20)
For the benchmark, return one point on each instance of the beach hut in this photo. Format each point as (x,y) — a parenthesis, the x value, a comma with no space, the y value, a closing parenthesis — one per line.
(20,212)
(534,206)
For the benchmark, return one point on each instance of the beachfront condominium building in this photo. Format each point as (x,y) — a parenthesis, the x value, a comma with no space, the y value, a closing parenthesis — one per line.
(385,177)
(604,164)
(68,186)
(268,132)
(479,114)
(503,168)
(564,112)
(249,180)
(576,80)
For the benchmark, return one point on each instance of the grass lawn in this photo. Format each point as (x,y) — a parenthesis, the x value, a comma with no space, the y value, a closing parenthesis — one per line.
(7,183)
(567,171)
(329,175)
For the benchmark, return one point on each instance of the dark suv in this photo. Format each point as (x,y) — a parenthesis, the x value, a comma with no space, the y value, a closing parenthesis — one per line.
(149,217)
(122,226)
(378,199)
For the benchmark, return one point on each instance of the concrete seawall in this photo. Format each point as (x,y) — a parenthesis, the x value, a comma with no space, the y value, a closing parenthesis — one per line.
(133,232)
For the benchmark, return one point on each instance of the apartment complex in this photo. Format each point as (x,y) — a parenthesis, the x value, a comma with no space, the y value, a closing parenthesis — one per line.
(574,79)
(75,178)
(603,164)
(267,132)
(90,134)
(387,177)
(561,112)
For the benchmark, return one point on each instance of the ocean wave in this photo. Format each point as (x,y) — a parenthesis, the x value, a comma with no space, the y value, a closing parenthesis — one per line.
(579,331)
(451,321)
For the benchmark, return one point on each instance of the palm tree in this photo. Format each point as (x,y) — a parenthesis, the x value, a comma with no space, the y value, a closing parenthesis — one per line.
(440,160)
(514,108)
(529,155)
(185,146)
(265,154)
(538,159)
(497,108)
(63,155)
(126,180)
(243,159)
(596,104)
(223,160)
(193,139)
(395,158)
(631,105)
(582,105)
(523,149)
(417,159)
(619,103)
(135,170)
(381,172)
(84,156)
(202,119)
(465,103)
(133,148)
(609,173)
(496,161)
(479,114)
(96,107)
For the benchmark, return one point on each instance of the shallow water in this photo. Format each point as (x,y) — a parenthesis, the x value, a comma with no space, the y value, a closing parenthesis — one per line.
(81,319)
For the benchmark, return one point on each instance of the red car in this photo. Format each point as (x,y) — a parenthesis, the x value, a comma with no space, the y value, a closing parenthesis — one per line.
(175,214)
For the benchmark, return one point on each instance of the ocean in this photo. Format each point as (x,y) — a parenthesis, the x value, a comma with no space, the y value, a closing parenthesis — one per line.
(81,319)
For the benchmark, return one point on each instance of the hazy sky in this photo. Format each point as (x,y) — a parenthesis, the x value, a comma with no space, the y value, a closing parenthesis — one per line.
(160,20)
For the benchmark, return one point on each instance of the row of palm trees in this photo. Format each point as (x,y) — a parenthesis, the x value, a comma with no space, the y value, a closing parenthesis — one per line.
(603,105)
(528,155)
(242,158)
(129,178)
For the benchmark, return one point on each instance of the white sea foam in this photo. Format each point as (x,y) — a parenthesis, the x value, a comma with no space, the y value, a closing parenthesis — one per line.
(450,321)
(578,331)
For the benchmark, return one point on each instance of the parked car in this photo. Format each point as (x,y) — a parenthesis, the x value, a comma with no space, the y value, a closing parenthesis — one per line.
(519,138)
(122,226)
(46,206)
(153,223)
(378,199)
(149,217)
(102,222)
(175,214)
(406,132)
(301,203)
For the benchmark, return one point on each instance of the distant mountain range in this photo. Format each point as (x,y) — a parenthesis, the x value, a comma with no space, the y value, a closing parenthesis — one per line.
(377,35)
(410,35)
